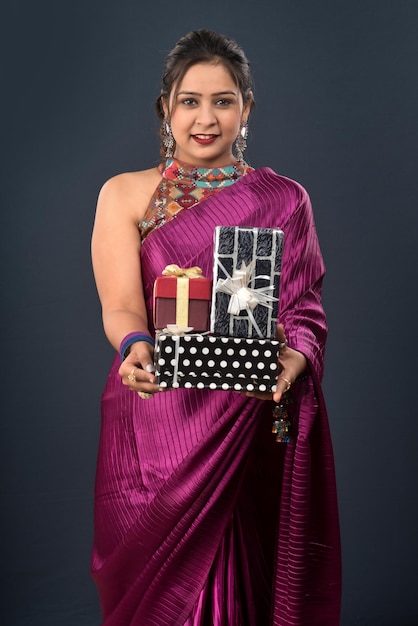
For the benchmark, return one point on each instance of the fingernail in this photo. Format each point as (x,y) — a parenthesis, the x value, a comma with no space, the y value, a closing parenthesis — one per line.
(149,367)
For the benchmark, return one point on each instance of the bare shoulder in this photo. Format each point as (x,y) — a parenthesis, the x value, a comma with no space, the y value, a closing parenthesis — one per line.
(130,192)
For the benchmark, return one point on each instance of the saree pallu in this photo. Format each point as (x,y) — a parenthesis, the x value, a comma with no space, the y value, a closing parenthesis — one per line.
(201,519)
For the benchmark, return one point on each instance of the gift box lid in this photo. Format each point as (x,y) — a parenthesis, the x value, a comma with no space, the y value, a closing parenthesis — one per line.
(199,288)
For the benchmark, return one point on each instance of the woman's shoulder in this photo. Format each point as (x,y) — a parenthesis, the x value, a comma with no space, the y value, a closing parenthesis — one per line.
(143,182)
(131,190)
(273,182)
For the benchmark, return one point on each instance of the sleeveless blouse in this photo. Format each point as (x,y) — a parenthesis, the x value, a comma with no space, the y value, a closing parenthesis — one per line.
(182,186)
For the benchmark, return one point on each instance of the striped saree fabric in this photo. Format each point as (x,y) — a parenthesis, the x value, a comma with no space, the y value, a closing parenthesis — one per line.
(201,518)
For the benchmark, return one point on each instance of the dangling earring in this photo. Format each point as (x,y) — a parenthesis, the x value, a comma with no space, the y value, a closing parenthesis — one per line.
(241,141)
(167,137)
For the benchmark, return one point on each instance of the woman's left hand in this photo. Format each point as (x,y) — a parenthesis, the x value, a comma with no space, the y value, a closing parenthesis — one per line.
(291,364)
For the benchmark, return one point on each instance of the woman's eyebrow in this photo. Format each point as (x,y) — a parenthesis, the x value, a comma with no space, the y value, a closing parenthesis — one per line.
(195,93)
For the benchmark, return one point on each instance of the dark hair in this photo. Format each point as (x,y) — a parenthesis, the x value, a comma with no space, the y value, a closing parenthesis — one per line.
(204,46)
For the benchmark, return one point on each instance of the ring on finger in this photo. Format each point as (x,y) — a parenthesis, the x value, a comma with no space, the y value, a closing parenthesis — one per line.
(288,383)
(144,395)
(132,377)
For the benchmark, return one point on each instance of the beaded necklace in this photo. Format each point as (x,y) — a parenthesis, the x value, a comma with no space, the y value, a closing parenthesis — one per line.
(182,186)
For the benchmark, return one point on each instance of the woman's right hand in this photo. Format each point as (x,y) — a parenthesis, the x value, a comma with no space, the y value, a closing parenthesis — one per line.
(137,370)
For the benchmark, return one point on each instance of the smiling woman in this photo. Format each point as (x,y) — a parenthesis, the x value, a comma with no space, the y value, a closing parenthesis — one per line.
(201,517)
(206,112)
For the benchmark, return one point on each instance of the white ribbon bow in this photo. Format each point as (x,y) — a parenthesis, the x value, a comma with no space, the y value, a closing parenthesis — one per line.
(174,329)
(243,297)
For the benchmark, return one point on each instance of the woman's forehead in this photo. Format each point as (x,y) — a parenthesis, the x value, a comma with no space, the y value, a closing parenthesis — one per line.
(207,76)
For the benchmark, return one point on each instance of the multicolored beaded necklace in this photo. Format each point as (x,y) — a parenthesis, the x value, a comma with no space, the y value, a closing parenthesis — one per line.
(183,186)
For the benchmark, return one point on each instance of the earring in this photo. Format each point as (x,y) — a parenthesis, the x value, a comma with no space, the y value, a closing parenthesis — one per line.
(167,137)
(241,141)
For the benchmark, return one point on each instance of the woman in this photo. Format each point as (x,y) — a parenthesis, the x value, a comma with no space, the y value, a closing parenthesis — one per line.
(201,518)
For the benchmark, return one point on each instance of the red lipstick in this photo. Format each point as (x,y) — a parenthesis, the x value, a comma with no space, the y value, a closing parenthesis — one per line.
(204,140)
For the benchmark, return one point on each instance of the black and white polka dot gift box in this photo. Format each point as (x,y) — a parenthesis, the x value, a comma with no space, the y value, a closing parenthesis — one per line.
(209,362)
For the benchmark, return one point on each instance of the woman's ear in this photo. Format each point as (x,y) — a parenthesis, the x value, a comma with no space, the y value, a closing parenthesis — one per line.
(248,105)
(164,107)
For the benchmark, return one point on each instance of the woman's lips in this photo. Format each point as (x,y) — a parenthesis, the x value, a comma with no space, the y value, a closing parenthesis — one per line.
(205,139)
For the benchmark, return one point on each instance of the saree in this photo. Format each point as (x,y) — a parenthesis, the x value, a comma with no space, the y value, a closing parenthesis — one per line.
(201,518)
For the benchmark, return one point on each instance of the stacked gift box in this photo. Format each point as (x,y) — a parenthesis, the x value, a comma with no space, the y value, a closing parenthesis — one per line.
(182,297)
(235,348)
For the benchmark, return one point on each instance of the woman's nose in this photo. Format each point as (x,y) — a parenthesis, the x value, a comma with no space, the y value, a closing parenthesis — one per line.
(206,115)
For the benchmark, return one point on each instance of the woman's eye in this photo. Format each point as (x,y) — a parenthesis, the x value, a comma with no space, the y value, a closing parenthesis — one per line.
(188,101)
(223,102)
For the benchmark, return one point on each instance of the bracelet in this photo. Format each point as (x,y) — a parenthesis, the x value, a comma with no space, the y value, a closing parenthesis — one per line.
(133,338)
(282,424)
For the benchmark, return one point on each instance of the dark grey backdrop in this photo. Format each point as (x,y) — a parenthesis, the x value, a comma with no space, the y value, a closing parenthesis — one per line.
(337,103)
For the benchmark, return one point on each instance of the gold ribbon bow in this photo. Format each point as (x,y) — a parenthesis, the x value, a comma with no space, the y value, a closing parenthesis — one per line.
(243,297)
(182,272)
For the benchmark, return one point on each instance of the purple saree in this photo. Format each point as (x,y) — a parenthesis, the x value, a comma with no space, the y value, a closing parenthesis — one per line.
(201,519)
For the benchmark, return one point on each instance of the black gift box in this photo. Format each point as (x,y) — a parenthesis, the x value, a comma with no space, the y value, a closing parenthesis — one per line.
(206,361)
(235,246)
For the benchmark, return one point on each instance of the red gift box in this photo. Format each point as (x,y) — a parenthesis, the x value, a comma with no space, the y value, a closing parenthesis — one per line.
(183,301)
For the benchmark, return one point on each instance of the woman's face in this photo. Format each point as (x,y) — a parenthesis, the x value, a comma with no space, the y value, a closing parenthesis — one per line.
(206,115)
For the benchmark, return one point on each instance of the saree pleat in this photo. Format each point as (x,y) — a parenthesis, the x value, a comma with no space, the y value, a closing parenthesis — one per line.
(201,519)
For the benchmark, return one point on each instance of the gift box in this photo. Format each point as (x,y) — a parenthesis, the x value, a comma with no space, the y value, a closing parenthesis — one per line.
(182,297)
(246,281)
(209,362)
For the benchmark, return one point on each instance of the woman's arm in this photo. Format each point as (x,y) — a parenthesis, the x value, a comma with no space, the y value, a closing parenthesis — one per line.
(117,267)
(116,261)
(300,309)
(302,318)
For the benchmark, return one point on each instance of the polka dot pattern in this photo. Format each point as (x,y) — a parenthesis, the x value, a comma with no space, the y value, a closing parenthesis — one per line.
(204,361)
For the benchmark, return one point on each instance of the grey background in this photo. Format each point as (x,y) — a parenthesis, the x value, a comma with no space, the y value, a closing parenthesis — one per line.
(337,101)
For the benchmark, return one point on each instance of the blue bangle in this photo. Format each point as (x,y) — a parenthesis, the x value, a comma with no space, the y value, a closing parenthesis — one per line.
(133,338)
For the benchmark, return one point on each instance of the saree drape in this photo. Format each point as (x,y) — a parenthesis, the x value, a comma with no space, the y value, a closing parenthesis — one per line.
(201,519)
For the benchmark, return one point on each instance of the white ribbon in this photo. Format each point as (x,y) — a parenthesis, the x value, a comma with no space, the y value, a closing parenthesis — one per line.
(176,339)
(174,329)
(176,332)
(243,297)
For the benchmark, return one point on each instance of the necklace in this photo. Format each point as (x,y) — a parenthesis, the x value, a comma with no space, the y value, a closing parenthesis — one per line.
(204,177)
(182,186)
